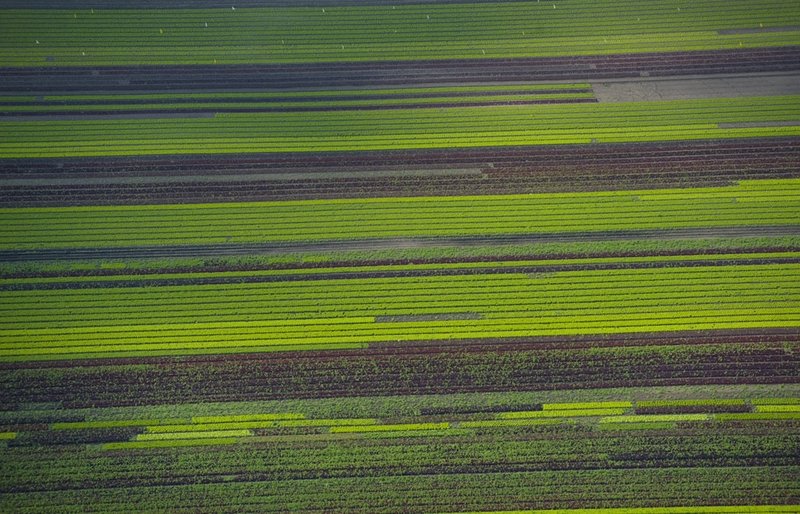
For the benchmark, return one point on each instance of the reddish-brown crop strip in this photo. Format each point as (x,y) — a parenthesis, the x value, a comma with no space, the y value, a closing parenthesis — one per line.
(734,357)
(593,167)
(355,74)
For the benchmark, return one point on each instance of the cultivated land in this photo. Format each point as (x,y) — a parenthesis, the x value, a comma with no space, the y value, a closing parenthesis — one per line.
(418,256)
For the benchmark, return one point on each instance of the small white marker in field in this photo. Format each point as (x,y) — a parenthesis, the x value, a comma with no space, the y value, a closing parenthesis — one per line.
(83,53)
(233,8)
(554,6)
(206,24)
(323,10)
(37,41)
(428,16)
(160,31)
(484,52)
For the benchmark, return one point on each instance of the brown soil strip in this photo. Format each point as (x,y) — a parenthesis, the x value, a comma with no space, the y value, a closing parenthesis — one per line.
(757,84)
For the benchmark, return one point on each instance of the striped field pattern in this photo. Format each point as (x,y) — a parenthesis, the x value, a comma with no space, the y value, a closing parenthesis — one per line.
(419,256)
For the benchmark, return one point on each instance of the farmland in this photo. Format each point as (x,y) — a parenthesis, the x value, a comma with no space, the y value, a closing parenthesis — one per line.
(415,256)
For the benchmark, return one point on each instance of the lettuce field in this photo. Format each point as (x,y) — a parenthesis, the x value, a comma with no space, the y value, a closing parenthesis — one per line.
(372,256)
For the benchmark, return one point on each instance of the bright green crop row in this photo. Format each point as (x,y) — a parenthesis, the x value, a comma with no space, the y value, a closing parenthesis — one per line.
(356,33)
(401,128)
(46,318)
(28,228)
(575,412)
(657,418)
(179,326)
(691,403)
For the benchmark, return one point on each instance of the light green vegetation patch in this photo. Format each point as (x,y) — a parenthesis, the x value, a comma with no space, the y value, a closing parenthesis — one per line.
(354,33)
(560,413)
(7,436)
(657,418)
(456,127)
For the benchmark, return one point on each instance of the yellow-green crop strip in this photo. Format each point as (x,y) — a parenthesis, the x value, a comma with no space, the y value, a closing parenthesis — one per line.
(753,203)
(404,128)
(347,311)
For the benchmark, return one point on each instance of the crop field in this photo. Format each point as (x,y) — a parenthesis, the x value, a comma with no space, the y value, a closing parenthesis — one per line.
(353,256)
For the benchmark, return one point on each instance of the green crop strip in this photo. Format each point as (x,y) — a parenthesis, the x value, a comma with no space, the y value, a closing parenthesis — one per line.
(747,203)
(588,249)
(489,266)
(357,33)
(456,127)
(585,301)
